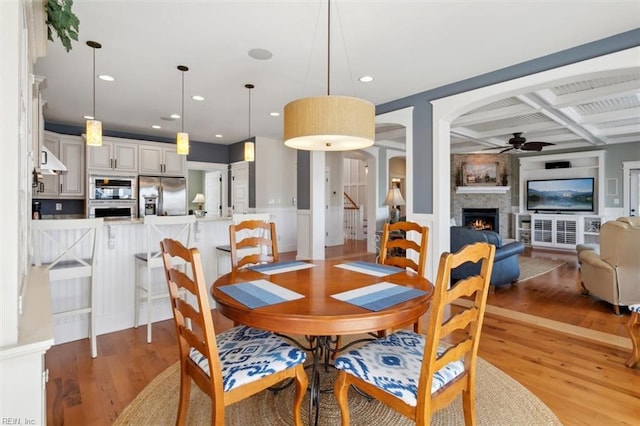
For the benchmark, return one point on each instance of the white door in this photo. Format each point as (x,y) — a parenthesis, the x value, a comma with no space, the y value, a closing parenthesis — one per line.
(213,193)
(240,188)
(634,192)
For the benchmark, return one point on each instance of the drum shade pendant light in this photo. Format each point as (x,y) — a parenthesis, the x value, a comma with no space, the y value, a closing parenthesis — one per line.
(329,123)
(182,138)
(249,147)
(94,127)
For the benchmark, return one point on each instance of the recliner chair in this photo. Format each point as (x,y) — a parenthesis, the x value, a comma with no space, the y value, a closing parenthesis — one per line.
(613,275)
(506,269)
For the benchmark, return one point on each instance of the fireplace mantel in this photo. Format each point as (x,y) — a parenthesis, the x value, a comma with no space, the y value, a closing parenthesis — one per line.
(482,189)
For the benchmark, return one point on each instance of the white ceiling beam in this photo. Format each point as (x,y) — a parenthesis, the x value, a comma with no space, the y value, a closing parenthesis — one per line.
(621,114)
(559,118)
(492,115)
(597,94)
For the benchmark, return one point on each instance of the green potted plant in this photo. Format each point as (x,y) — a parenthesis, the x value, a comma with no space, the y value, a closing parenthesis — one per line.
(62,21)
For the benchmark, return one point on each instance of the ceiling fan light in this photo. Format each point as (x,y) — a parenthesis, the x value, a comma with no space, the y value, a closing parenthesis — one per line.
(329,123)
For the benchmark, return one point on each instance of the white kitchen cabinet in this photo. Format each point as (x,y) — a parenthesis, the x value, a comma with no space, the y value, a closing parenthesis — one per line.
(50,187)
(161,160)
(72,155)
(70,183)
(113,156)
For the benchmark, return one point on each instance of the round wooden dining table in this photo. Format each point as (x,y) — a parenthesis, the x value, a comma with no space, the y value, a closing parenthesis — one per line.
(317,313)
(318,316)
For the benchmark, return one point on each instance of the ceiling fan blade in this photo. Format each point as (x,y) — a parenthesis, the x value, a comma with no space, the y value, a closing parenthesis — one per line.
(505,150)
(494,147)
(535,146)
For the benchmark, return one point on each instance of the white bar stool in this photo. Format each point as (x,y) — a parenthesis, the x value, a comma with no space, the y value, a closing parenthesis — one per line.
(67,247)
(156,228)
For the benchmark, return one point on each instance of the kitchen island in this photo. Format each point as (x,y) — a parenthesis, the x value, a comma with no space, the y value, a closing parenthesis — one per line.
(115,278)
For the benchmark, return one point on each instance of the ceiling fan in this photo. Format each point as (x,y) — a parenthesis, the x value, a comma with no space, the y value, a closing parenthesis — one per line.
(519,143)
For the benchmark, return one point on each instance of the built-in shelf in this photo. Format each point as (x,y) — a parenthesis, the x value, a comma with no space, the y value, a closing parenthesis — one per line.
(482,189)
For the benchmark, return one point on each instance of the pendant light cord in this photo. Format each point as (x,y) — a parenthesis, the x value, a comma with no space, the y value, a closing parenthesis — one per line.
(93,75)
(328,47)
(249,86)
(182,114)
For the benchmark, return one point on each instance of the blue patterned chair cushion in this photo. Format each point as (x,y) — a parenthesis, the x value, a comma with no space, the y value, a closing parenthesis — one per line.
(247,354)
(393,364)
(635,308)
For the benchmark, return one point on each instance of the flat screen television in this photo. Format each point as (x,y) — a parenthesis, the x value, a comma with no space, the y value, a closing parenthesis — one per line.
(561,195)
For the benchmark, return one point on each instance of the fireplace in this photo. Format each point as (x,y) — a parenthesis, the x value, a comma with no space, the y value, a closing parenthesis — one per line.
(478,218)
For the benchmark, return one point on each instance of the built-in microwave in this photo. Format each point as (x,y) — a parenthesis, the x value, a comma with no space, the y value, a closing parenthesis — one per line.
(111,188)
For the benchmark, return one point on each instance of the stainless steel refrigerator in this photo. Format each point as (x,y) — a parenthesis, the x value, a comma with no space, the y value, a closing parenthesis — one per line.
(164,196)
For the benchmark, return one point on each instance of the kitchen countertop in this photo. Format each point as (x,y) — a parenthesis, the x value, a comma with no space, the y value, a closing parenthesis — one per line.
(124,221)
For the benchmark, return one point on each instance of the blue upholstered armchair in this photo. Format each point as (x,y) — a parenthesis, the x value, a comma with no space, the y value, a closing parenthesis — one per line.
(505,267)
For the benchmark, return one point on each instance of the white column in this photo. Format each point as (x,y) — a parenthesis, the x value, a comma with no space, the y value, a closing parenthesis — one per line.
(317,207)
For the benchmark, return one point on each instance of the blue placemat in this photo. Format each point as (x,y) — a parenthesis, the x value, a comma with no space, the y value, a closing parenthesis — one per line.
(376,297)
(280,267)
(259,293)
(369,268)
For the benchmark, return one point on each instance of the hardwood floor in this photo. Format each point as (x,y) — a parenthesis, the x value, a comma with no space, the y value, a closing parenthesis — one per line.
(582,379)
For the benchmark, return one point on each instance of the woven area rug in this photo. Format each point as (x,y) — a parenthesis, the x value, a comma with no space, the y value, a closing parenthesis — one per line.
(500,400)
(531,267)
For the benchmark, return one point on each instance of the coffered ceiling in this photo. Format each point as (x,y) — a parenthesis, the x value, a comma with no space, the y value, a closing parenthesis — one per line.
(584,112)
(407,47)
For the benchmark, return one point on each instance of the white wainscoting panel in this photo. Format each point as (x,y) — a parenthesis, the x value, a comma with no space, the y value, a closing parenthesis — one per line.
(115,281)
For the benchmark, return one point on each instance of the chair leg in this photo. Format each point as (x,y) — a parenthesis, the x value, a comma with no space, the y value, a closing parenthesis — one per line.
(149,316)
(633,327)
(185,393)
(136,309)
(301,388)
(469,406)
(616,309)
(92,319)
(340,391)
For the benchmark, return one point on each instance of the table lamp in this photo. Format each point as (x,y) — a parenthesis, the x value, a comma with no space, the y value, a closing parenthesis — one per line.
(199,200)
(395,200)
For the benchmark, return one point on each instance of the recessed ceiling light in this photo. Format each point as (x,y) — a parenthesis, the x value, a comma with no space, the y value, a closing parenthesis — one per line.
(218,136)
(197,98)
(260,54)
(106,77)
(274,114)
(155,126)
(366,79)
(175,116)
(88,117)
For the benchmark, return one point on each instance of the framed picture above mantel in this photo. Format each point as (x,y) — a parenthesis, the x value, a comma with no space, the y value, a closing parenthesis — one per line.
(480,174)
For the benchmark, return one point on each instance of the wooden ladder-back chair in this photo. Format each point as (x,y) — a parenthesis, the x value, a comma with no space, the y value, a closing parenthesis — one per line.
(252,242)
(418,374)
(68,249)
(395,246)
(156,228)
(395,250)
(229,366)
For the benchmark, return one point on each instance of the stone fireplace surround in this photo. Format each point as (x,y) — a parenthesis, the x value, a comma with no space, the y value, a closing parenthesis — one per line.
(479,200)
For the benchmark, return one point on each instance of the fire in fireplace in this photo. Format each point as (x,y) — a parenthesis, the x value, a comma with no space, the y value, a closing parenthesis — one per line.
(479,218)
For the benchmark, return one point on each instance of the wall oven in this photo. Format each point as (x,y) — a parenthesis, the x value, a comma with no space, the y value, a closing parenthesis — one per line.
(113,210)
(112,196)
